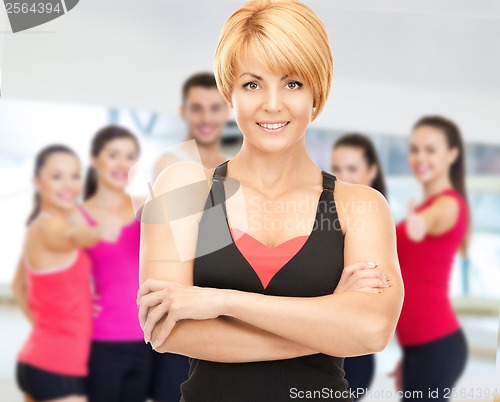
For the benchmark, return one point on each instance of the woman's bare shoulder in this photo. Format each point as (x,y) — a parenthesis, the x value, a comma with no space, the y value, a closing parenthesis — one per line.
(47,229)
(181,174)
(354,201)
(347,191)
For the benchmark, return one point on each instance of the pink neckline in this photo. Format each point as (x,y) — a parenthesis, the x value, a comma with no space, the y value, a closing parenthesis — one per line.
(238,233)
(53,270)
(266,261)
(92,221)
(432,197)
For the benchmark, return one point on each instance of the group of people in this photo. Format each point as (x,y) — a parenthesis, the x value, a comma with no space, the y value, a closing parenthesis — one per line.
(78,277)
(272,314)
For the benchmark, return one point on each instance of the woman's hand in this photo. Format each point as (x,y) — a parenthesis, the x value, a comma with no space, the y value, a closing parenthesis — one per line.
(364,277)
(179,302)
(415,224)
(109,229)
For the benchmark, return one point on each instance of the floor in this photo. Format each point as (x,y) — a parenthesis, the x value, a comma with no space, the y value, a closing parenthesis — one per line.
(477,381)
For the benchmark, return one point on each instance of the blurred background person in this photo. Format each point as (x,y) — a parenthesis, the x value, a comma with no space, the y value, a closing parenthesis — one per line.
(205,114)
(53,283)
(434,346)
(354,160)
(120,361)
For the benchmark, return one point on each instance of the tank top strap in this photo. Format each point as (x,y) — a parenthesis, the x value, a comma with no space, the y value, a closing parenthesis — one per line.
(217,193)
(86,215)
(328,181)
(220,172)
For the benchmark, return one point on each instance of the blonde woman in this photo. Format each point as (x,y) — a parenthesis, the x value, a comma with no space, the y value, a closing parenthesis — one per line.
(312,276)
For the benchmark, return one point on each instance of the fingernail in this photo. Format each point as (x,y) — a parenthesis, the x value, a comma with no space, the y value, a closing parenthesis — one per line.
(372,264)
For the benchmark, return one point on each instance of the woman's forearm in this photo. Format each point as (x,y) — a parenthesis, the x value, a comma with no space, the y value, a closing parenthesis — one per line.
(227,340)
(345,324)
(82,236)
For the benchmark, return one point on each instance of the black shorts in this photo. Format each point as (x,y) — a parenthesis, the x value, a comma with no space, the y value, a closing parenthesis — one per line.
(435,365)
(169,371)
(119,371)
(41,384)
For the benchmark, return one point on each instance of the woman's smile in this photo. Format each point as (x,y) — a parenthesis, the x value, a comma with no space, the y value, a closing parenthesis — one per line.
(273,127)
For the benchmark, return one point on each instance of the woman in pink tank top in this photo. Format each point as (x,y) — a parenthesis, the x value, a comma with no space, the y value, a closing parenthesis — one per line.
(434,345)
(120,361)
(52,283)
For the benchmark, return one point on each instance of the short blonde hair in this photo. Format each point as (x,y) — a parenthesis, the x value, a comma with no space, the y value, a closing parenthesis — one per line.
(288,37)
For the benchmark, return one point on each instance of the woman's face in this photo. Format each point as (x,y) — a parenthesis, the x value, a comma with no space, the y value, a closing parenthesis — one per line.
(114,162)
(59,181)
(272,111)
(349,164)
(429,155)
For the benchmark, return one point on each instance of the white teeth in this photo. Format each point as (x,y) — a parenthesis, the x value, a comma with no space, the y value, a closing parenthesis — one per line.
(272,126)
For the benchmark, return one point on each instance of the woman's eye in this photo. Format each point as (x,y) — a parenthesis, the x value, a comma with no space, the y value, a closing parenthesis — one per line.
(294,85)
(252,86)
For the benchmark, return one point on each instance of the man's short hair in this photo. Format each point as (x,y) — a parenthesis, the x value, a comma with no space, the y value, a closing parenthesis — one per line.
(205,80)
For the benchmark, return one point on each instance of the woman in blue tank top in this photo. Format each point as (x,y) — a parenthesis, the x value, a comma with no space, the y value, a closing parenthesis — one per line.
(338,295)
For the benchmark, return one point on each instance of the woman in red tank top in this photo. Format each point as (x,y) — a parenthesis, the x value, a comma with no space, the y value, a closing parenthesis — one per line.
(434,346)
(53,283)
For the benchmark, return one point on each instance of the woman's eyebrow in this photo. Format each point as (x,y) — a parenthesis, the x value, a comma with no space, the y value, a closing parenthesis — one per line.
(258,77)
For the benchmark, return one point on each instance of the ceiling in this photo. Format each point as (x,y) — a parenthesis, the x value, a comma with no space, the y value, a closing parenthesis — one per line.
(136,54)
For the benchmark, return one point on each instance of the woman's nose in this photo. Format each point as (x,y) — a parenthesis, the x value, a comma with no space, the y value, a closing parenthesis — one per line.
(273,101)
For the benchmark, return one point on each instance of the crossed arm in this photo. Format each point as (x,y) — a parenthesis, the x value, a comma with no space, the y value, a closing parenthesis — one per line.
(232,326)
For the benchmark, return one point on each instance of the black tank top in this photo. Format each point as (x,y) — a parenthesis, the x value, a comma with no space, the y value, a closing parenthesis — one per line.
(313,271)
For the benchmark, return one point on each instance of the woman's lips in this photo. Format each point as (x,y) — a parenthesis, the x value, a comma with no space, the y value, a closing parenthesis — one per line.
(273,127)
(119,175)
(66,196)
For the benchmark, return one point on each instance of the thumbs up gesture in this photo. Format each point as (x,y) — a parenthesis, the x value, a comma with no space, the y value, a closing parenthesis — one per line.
(110,229)
(415,224)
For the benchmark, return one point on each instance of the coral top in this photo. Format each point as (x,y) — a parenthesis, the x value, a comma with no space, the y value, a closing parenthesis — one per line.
(61,305)
(115,269)
(426,267)
(266,261)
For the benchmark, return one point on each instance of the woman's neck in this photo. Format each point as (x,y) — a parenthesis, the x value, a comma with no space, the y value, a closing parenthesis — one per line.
(109,198)
(268,170)
(437,186)
(49,209)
